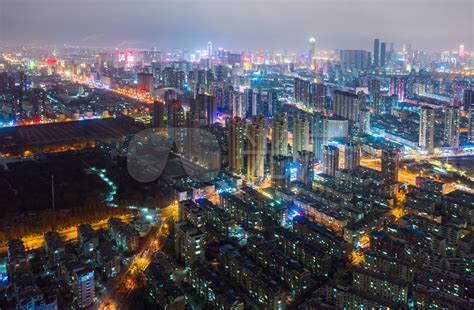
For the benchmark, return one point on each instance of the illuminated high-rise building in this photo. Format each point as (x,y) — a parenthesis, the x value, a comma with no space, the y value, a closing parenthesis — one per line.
(305,164)
(351,156)
(318,96)
(189,243)
(21,94)
(272,104)
(397,87)
(176,114)
(83,286)
(364,122)
(280,135)
(427,126)
(280,171)
(325,129)
(471,126)
(301,91)
(330,162)
(468,107)
(209,55)
(375,95)
(346,105)
(318,135)
(144,82)
(312,50)
(206,108)
(236,144)
(177,125)
(383,54)
(461,51)
(390,165)
(452,123)
(468,100)
(158,118)
(237,104)
(352,60)
(300,135)
(169,77)
(255,151)
(249,103)
(376,52)
(257,103)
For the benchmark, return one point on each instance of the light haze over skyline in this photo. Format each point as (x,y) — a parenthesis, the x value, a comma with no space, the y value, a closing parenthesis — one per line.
(434,25)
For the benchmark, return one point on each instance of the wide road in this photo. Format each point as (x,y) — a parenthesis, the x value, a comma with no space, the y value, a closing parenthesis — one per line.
(68,234)
(404,176)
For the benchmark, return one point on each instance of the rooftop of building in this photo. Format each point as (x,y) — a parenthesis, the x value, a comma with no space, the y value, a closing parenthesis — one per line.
(217,283)
(53,240)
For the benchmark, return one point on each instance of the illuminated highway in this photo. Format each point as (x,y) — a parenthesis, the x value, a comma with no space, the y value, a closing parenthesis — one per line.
(128,92)
(405,176)
(68,234)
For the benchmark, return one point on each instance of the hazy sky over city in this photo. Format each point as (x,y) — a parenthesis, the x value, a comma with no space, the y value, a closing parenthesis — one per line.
(245,24)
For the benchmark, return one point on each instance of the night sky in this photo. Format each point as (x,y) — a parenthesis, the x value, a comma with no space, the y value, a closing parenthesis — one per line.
(259,24)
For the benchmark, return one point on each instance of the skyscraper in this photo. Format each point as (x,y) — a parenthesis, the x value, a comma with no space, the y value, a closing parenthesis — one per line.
(301,91)
(325,129)
(354,59)
(177,125)
(346,105)
(236,144)
(383,53)
(280,171)
(83,285)
(300,135)
(364,122)
(330,161)
(209,55)
(305,164)
(144,82)
(206,108)
(427,125)
(158,115)
(397,87)
(461,51)
(468,100)
(452,123)
(21,93)
(390,162)
(272,103)
(237,104)
(351,156)
(318,132)
(376,52)
(257,103)
(468,108)
(249,103)
(318,96)
(176,114)
(375,96)
(280,135)
(312,50)
(255,151)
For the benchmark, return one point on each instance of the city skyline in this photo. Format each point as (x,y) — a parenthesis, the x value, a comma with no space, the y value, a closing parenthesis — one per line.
(426,25)
(233,155)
